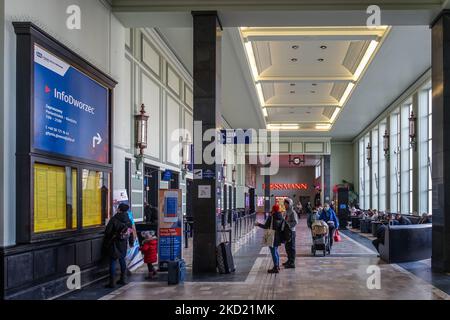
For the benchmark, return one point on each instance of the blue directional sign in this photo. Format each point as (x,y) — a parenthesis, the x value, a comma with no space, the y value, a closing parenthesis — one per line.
(70,110)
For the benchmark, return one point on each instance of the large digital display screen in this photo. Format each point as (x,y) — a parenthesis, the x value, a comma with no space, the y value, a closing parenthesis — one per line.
(70,110)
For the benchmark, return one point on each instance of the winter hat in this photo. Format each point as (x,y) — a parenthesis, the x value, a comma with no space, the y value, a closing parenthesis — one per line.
(276,208)
(123,207)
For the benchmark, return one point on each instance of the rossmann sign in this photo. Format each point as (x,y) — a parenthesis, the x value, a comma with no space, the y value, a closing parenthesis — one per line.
(287,186)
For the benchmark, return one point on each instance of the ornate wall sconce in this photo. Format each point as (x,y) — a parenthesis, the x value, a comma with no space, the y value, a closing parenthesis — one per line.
(386,144)
(233,175)
(185,155)
(412,130)
(141,125)
(369,153)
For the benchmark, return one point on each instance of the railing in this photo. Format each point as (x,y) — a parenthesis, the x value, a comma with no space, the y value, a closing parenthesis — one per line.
(243,224)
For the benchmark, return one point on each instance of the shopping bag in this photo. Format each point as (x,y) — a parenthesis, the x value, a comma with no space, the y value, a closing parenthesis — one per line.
(269,235)
(337,236)
(134,257)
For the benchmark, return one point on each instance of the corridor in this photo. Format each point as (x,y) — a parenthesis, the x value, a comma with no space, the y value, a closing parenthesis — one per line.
(343,275)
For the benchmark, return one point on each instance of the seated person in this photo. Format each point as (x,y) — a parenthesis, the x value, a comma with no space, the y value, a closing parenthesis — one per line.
(374,216)
(380,237)
(402,220)
(424,219)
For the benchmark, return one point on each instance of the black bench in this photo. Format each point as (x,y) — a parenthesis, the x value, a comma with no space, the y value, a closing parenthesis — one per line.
(404,243)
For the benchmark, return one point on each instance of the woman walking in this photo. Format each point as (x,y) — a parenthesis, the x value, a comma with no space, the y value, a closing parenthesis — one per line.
(274,222)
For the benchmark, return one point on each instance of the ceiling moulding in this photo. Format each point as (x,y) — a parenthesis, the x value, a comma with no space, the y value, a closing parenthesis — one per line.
(225,5)
(363,47)
(305,79)
(355,53)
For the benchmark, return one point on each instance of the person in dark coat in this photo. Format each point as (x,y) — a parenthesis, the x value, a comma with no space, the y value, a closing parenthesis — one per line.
(118,234)
(402,220)
(277,218)
(381,231)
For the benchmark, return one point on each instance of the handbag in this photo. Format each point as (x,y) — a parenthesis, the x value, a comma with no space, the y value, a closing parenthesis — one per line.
(269,236)
(337,236)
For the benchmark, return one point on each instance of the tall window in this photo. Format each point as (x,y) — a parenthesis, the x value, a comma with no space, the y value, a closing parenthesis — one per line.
(381,168)
(394,162)
(366,174)
(406,161)
(375,172)
(362,162)
(424,140)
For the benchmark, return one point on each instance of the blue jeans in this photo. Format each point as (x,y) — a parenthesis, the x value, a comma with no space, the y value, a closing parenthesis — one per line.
(112,267)
(275,256)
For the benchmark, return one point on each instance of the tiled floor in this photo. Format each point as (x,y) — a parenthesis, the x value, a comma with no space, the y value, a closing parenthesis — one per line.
(342,275)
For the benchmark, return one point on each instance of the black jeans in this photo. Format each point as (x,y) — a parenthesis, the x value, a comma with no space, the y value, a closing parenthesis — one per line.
(290,249)
(331,235)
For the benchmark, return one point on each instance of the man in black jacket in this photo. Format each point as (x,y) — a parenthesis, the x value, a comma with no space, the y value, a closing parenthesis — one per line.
(118,234)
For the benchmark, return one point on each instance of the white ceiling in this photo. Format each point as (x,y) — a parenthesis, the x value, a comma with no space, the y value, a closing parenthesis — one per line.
(403,57)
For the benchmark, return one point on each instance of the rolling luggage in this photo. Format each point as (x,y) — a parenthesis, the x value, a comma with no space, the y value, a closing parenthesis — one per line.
(225,262)
(176,268)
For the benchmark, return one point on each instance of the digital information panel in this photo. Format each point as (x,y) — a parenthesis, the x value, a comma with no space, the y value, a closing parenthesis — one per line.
(70,110)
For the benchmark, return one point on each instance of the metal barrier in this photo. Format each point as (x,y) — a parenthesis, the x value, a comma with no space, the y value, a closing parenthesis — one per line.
(243,225)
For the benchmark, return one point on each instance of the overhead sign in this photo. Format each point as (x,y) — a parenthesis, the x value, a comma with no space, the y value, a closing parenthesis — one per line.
(70,110)
(287,186)
(236,136)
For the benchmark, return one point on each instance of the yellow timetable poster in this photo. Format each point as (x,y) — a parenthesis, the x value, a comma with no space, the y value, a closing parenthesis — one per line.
(92,198)
(49,198)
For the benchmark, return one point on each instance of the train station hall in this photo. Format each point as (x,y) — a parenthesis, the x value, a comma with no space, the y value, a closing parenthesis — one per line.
(224,150)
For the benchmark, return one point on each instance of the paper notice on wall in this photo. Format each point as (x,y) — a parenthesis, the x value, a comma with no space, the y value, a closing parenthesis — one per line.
(204,192)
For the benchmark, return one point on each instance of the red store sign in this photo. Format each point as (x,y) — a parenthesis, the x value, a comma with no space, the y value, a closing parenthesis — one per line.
(287,186)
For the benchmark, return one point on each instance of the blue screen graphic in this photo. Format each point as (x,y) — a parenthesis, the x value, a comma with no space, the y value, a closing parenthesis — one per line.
(70,110)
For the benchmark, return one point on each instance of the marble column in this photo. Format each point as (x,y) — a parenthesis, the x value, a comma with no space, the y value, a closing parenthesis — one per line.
(207,76)
(441,143)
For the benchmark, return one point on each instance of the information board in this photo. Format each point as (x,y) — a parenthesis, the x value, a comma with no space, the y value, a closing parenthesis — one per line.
(70,110)
(170,227)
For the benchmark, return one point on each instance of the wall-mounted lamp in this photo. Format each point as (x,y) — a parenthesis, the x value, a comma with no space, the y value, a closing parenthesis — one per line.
(412,130)
(386,144)
(369,153)
(233,174)
(185,154)
(141,124)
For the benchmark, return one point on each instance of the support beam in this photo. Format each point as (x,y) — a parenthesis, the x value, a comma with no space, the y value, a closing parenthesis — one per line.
(440,260)
(207,84)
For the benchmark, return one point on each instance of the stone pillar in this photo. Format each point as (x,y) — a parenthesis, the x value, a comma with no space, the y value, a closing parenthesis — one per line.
(207,75)
(327,187)
(441,143)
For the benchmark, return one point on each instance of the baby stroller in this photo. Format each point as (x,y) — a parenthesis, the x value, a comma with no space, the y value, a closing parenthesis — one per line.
(320,237)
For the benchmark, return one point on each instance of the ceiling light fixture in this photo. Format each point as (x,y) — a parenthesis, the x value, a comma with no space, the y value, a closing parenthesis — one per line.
(265,113)
(314,84)
(251,60)
(323,47)
(323,126)
(335,114)
(320,60)
(346,94)
(292,84)
(262,100)
(312,91)
(292,92)
(283,126)
(365,60)
(295,47)
(294,59)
